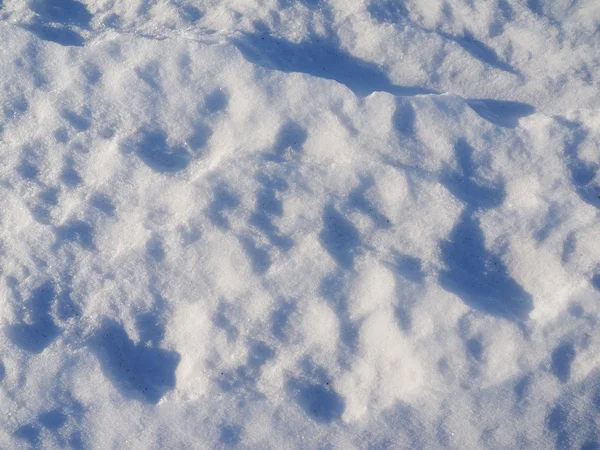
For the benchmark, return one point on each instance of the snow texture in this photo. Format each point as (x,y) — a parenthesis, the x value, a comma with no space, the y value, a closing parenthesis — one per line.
(260,224)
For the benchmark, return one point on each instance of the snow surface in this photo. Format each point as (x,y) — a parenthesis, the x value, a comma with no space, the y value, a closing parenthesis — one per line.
(300,224)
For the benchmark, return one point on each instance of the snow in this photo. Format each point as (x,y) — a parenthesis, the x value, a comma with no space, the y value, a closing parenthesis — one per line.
(311,224)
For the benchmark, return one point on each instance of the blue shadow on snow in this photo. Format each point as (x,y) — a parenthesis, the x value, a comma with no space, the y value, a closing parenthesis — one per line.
(388,11)
(290,136)
(358,200)
(244,377)
(464,185)
(476,275)
(258,255)
(318,58)
(53,419)
(58,35)
(268,206)
(409,267)
(314,393)
(230,434)
(280,318)
(561,360)
(339,237)
(55,19)
(136,369)
(583,173)
(41,330)
(558,422)
(66,12)
(78,232)
(334,289)
(480,51)
(151,146)
(224,199)
(501,112)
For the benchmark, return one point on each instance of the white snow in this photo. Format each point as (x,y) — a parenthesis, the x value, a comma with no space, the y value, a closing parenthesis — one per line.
(299,224)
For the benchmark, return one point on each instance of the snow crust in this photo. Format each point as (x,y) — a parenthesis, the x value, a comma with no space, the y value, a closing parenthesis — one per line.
(299,224)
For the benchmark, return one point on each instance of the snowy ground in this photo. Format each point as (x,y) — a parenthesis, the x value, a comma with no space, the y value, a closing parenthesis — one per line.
(300,224)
